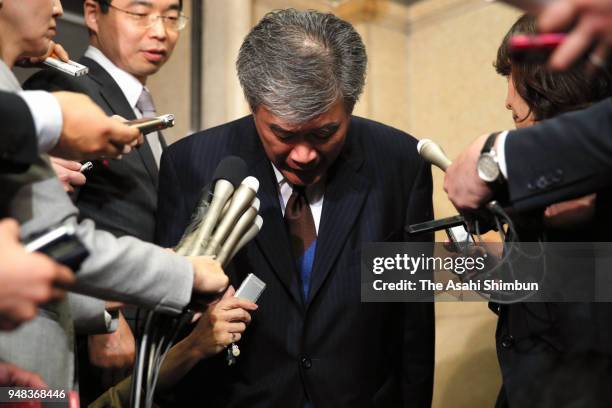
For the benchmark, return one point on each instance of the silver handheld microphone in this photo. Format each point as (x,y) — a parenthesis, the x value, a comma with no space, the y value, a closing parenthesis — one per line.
(148,125)
(433,153)
(242,226)
(241,200)
(228,175)
(249,235)
(222,193)
(187,242)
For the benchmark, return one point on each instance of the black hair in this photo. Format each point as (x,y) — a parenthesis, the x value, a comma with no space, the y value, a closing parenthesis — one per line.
(550,93)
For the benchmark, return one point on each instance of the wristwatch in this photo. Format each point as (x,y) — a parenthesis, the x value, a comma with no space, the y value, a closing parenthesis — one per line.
(488,163)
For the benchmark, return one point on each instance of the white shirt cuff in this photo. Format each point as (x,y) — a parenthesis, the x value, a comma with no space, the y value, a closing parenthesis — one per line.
(48,120)
(500,151)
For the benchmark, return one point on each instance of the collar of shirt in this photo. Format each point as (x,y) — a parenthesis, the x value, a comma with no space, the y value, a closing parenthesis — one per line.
(8,80)
(314,194)
(131,87)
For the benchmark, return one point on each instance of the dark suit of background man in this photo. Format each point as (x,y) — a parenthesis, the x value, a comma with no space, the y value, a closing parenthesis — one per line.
(312,342)
(129,41)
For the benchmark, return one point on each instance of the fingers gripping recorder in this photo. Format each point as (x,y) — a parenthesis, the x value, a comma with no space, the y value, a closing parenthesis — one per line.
(223,222)
(224,219)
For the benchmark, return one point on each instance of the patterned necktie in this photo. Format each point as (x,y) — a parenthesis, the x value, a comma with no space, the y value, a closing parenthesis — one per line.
(147,108)
(302,233)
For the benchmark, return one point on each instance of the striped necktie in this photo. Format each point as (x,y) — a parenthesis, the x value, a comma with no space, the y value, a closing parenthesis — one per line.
(303,235)
(147,108)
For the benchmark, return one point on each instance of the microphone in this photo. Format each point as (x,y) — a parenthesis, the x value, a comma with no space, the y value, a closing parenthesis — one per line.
(433,153)
(242,199)
(148,125)
(186,242)
(228,175)
(241,227)
(249,235)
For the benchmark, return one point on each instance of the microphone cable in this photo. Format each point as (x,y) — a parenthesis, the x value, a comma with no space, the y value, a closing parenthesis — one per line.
(512,250)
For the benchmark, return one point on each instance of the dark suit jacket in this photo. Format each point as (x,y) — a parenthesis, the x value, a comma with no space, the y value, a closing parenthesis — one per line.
(338,350)
(560,354)
(561,158)
(120,195)
(18,142)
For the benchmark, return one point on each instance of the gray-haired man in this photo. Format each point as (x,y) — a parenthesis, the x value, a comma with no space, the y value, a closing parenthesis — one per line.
(330,182)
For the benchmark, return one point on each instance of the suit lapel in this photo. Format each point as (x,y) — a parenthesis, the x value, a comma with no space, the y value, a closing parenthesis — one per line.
(345,194)
(272,240)
(115,99)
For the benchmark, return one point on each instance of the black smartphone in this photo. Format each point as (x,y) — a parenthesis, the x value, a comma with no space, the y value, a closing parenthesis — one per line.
(60,244)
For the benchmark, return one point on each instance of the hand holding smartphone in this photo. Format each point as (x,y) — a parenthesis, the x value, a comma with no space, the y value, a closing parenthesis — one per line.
(60,244)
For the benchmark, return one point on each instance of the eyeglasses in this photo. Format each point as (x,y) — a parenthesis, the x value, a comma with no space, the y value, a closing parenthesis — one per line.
(148,20)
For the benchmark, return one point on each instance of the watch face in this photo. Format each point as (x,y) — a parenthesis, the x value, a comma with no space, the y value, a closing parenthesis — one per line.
(488,170)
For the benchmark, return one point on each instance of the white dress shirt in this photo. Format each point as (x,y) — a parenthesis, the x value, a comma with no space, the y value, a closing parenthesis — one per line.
(43,106)
(48,119)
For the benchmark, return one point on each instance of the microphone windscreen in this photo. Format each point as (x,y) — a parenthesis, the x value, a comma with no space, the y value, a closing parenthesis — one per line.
(232,169)
(433,153)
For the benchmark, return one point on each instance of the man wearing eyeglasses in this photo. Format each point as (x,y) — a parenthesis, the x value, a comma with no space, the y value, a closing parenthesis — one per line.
(129,41)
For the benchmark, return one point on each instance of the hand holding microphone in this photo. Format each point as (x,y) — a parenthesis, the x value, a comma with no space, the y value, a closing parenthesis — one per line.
(209,278)
(461,180)
(225,218)
(466,190)
(464,187)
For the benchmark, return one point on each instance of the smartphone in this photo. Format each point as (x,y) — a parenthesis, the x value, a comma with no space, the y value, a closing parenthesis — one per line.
(535,48)
(460,238)
(148,125)
(250,288)
(60,244)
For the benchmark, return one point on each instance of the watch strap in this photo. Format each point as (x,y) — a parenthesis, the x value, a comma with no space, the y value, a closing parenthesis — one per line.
(488,146)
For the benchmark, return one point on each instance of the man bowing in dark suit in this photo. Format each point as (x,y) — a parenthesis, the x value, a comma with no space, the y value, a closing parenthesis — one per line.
(129,41)
(329,182)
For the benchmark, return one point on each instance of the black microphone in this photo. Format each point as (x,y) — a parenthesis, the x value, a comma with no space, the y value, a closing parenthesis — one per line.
(227,177)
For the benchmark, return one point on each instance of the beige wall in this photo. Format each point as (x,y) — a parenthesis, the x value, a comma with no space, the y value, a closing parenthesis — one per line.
(429,74)
(170,86)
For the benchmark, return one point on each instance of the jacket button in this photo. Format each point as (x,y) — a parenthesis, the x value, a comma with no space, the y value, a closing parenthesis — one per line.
(507,341)
(306,362)
(542,183)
